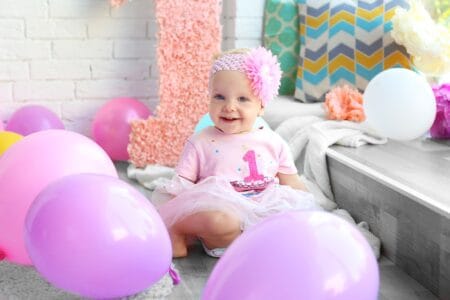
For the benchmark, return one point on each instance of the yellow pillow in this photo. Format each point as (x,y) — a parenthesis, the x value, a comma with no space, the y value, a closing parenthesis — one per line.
(345,42)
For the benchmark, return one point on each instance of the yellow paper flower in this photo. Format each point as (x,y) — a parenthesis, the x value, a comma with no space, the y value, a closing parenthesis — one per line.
(443,11)
(427,42)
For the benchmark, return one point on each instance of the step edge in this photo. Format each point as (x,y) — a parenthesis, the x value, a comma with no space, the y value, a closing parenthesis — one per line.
(436,206)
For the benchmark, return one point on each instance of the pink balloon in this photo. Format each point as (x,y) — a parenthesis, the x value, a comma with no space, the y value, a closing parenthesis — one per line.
(111,126)
(1,125)
(31,164)
(298,255)
(97,236)
(33,118)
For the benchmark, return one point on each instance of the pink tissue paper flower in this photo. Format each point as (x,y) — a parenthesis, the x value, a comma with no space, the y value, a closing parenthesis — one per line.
(344,103)
(264,72)
(441,126)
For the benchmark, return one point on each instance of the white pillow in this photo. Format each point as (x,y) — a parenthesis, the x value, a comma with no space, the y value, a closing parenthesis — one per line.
(285,107)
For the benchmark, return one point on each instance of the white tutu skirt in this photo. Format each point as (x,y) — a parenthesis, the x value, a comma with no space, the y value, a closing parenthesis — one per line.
(178,198)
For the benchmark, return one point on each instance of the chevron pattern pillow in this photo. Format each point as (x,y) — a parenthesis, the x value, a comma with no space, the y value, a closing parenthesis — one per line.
(345,42)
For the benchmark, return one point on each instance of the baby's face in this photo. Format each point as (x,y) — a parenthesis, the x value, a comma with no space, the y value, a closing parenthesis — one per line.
(233,107)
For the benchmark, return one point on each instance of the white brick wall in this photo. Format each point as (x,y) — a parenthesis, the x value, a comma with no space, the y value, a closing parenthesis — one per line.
(242,26)
(74,55)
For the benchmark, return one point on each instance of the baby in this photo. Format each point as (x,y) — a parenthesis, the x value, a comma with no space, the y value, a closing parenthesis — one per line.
(231,175)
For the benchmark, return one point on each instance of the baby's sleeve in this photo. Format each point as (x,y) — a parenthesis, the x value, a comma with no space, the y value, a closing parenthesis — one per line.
(188,165)
(286,164)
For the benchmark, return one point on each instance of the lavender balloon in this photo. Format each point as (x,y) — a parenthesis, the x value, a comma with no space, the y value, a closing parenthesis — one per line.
(28,166)
(298,255)
(33,118)
(96,236)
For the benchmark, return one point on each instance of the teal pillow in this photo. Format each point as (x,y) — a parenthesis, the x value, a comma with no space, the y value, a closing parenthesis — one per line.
(281,37)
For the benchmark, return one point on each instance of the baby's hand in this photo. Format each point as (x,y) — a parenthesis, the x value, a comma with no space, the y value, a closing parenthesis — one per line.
(292,180)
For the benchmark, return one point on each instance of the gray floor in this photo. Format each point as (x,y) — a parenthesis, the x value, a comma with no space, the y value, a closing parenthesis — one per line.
(195,269)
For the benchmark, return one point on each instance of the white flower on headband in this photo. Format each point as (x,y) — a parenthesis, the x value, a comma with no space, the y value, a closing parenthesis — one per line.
(264,72)
(427,42)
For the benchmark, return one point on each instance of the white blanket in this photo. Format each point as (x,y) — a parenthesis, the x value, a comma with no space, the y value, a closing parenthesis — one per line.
(309,138)
(151,176)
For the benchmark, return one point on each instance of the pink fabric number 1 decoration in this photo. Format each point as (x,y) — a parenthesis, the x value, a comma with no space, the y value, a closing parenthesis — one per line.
(189,35)
(251,159)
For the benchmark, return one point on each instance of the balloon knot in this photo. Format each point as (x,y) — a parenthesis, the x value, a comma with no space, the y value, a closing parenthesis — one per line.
(2,255)
(175,277)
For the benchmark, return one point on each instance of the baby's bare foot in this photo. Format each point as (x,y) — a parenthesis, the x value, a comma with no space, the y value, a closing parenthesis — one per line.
(179,247)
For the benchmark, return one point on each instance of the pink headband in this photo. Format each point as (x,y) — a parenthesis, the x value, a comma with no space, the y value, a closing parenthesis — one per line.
(260,67)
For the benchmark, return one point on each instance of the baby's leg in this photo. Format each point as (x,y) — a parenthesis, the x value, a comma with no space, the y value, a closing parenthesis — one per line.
(216,229)
(179,246)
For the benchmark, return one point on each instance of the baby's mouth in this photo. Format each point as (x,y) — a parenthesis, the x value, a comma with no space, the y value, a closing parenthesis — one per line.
(228,119)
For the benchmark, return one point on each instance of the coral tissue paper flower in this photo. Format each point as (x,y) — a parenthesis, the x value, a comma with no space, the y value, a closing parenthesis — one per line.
(427,42)
(344,103)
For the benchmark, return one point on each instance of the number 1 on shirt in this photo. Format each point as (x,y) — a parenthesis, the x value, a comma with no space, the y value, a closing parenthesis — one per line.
(251,159)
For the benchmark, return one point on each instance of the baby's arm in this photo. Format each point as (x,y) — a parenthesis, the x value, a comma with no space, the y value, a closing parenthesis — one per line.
(292,180)
(184,177)
(287,171)
(188,165)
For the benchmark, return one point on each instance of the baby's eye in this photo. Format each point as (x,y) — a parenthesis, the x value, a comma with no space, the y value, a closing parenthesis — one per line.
(243,99)
(219,97)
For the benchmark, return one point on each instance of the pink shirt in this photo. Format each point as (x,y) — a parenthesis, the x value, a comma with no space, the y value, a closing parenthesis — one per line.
(255,156)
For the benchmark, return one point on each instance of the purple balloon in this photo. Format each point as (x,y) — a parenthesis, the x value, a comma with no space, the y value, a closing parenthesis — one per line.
(28,166)
(112,125)
(297,255)
(33,118)
(97,236)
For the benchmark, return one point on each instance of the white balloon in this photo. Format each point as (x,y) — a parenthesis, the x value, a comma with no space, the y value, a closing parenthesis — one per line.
(399,104)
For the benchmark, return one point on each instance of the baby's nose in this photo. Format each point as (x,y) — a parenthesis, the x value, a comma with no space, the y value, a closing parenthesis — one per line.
(229,106)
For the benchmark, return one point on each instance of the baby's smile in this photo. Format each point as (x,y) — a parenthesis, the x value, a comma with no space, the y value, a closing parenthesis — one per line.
(228,119)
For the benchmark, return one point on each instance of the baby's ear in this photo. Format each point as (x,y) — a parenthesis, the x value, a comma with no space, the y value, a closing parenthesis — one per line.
(261,112)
